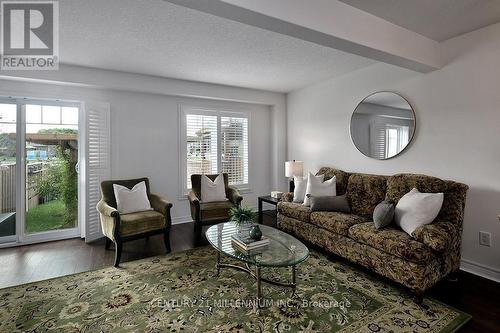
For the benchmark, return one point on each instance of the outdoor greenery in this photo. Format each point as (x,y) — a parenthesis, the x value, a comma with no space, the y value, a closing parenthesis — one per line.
(7,148)
(69,185)
(49,186)
(61,180)
(49,216)
(58,131)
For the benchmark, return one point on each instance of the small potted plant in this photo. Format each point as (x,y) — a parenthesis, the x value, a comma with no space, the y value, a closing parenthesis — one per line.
(244,217)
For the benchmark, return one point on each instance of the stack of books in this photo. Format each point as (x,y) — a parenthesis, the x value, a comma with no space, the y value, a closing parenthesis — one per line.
(247,244)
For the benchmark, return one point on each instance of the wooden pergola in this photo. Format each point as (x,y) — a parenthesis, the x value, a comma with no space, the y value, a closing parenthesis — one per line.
(64,140)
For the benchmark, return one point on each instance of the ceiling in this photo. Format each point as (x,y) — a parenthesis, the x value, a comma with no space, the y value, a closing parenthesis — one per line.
(436,19)
(388,99)
(157,38)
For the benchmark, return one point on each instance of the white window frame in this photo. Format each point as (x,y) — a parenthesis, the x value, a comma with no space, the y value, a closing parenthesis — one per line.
(212,111)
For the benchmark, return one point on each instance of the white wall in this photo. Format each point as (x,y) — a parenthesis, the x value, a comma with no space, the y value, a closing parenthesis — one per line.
(144,126)
(457,132)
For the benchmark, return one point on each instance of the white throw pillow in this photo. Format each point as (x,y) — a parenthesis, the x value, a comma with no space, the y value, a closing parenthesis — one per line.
(316,187)
(213,190)
(300,184)
(131,201)
(415,209)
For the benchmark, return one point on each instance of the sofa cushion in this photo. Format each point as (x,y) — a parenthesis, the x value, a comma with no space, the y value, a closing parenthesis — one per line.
(287,197)
(295,210)
(140,222)
(454,193)
(365,192)
(400,184)
(392,241)
(335,221)
(439,236)
(341,180)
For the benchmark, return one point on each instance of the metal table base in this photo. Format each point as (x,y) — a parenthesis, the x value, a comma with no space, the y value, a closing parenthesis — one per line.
(257,276)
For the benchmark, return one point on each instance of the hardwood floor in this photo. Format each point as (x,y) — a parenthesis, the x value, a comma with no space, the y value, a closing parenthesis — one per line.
(30,263)
(472,294)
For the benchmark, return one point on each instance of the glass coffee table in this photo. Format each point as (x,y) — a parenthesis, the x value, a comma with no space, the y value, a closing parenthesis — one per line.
(283,250)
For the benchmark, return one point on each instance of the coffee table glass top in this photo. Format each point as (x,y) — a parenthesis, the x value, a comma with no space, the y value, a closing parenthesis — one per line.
(283,249)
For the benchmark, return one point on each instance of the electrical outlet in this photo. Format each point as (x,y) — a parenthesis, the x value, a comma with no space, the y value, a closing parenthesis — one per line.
(484,238)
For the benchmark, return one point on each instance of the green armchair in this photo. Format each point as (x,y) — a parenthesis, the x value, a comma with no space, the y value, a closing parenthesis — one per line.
(209,213)
(119,228)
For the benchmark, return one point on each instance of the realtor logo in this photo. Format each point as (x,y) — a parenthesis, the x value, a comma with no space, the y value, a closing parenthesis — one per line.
(29,35)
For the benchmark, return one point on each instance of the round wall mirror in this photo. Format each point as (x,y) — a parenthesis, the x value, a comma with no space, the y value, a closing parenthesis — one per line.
(382,125)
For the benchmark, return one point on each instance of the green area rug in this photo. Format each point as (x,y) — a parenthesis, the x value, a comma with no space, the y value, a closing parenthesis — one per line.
(180,293)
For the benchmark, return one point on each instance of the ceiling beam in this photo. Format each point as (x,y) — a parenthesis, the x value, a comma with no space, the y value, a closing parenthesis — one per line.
(333,24)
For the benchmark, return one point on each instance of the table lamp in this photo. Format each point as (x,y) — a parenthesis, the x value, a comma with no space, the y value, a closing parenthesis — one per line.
(292,169)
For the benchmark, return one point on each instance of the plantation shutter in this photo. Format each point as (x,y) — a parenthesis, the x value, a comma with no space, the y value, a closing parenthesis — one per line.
(378,140)
(234,149)
(98,163)
(201,145)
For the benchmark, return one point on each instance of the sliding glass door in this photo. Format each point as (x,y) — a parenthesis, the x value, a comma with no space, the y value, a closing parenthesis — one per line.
(39,159)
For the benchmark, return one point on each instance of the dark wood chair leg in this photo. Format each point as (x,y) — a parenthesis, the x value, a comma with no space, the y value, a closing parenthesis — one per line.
(108,244)
(453,276)
(166,239)
(197,232)
(147,238)
(418,298)
(118,253)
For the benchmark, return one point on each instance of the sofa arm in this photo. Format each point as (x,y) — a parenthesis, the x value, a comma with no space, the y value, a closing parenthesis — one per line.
(104,209)
(193,198)
(439,236)
(234,196)
(160,204)
(287,197)
(109,219)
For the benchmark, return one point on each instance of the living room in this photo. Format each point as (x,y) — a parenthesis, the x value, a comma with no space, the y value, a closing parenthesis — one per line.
(159,91)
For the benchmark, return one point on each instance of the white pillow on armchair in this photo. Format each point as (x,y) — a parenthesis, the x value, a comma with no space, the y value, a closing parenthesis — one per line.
(133,200)
(213,190)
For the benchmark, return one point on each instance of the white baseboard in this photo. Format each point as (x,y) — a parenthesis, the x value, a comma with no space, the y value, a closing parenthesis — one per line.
(181,219)
(475,268)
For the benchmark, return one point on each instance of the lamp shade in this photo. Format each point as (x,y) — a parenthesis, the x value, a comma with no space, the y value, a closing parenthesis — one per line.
(294,168)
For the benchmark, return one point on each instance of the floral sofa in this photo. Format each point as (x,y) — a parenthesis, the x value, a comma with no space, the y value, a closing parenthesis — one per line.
(417,261)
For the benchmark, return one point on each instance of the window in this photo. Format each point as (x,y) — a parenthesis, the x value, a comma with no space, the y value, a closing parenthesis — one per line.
(396,139)
(389,139)
(201,145)
(234,149)
(213,142)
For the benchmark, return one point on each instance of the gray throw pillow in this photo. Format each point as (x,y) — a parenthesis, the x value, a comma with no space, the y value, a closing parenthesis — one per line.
(383,215)
(337,203)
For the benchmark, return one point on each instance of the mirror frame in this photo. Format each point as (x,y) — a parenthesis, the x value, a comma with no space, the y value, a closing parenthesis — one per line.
(410,140)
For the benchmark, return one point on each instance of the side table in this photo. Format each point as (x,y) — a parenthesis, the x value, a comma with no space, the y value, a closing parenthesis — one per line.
(270,200)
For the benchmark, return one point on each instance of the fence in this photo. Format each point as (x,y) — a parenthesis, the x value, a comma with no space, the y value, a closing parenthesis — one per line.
(8,185)
(8,188)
